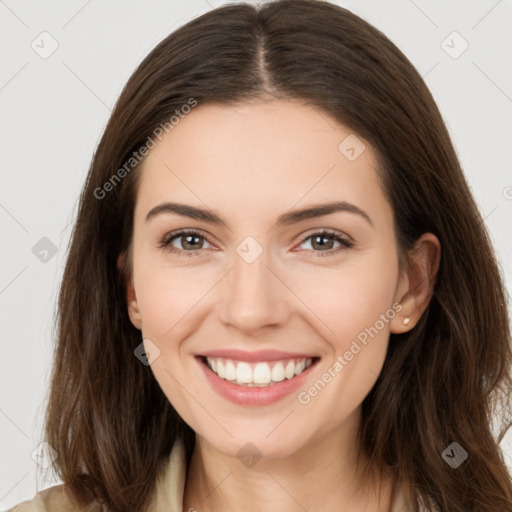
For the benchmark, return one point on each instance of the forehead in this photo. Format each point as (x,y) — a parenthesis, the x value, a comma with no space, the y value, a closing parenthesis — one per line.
(258,155)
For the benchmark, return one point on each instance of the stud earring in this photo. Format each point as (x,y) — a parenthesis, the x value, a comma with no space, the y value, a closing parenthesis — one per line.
(406,320)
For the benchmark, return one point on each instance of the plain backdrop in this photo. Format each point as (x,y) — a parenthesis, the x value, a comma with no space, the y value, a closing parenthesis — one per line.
(63,65)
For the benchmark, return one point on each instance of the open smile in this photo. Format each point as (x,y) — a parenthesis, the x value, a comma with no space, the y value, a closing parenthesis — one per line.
(257,380)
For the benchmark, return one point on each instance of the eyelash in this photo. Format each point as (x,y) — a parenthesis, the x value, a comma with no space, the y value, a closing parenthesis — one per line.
(345,243)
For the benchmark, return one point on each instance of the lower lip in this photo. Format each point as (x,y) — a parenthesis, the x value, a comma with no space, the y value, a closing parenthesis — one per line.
(244,395)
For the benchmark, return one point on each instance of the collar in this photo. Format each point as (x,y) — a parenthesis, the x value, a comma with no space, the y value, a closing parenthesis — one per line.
(171,482)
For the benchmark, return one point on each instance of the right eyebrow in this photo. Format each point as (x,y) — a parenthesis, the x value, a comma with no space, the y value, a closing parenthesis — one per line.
(186,211)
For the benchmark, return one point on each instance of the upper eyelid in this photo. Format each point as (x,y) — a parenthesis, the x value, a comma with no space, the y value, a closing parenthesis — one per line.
(184,232)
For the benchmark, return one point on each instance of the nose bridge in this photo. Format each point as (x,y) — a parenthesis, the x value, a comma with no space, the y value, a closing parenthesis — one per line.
(254,297)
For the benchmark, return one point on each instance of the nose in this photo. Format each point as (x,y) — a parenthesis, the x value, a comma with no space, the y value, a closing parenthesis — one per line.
(254,297)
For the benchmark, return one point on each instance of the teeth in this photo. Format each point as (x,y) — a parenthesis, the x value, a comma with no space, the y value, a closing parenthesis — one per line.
(261,374)
(289,371)
(220,369)
(243,373)
(278,372)
(299,367)
(230,371)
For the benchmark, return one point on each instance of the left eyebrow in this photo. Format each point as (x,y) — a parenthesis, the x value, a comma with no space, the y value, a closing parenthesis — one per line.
(285,219)
(319,211)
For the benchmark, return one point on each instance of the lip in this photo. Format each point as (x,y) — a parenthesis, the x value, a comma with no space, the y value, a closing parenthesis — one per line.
(260,355)
(244,395)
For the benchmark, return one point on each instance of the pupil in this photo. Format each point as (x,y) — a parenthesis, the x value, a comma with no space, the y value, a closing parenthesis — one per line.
(320,240)
(188,239)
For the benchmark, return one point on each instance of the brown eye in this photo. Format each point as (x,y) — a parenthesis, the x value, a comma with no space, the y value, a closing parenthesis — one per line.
(190,241)
(324,241)
(185,242)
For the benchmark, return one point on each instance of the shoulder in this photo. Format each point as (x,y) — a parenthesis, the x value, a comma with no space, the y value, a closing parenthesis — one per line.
(53,499)
(168,494)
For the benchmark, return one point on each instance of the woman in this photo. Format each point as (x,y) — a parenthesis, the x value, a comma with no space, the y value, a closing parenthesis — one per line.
(279,294)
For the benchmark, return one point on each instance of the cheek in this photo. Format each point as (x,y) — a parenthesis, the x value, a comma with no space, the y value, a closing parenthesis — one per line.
(170,304)
(360,313)
(350,299)
(356,304)
(167,297)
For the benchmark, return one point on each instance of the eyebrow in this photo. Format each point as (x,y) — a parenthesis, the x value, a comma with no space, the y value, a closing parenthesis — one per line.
(285,219)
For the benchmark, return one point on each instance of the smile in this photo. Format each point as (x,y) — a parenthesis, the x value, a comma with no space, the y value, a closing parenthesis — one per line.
(257,374)
(255,378)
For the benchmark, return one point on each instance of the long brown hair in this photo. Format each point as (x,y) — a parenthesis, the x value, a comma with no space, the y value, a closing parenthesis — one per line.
(442,382)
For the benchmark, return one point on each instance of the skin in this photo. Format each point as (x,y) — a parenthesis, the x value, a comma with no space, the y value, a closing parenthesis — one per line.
(250,163)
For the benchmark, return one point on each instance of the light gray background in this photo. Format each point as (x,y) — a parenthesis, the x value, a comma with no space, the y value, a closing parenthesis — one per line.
(54,111)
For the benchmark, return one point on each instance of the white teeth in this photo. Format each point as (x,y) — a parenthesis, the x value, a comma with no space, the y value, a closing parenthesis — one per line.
(278,372)
(261,374)
(230,371)
(220,369)
(243,373)
(289,371)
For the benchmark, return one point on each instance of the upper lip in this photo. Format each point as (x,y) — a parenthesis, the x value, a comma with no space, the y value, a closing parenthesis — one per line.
(259,355)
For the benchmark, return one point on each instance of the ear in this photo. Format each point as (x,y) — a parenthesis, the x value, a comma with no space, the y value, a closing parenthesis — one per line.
(131,297)
(416,284)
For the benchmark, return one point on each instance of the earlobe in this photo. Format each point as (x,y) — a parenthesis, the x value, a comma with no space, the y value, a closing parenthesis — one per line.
(417,286)
(131,297)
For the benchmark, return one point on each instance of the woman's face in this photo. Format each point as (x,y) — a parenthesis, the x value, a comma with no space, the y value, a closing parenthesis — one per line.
(257,287)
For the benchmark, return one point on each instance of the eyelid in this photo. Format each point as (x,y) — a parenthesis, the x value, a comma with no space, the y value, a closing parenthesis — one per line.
(327,231)
(345,240)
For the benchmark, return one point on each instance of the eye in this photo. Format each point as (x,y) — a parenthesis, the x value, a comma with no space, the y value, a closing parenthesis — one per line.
(322,242)
(189,240)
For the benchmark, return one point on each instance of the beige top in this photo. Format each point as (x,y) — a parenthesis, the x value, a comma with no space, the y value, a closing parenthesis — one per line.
(168,496)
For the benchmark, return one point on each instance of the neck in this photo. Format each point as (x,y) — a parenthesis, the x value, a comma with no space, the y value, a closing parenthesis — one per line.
(323,474)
